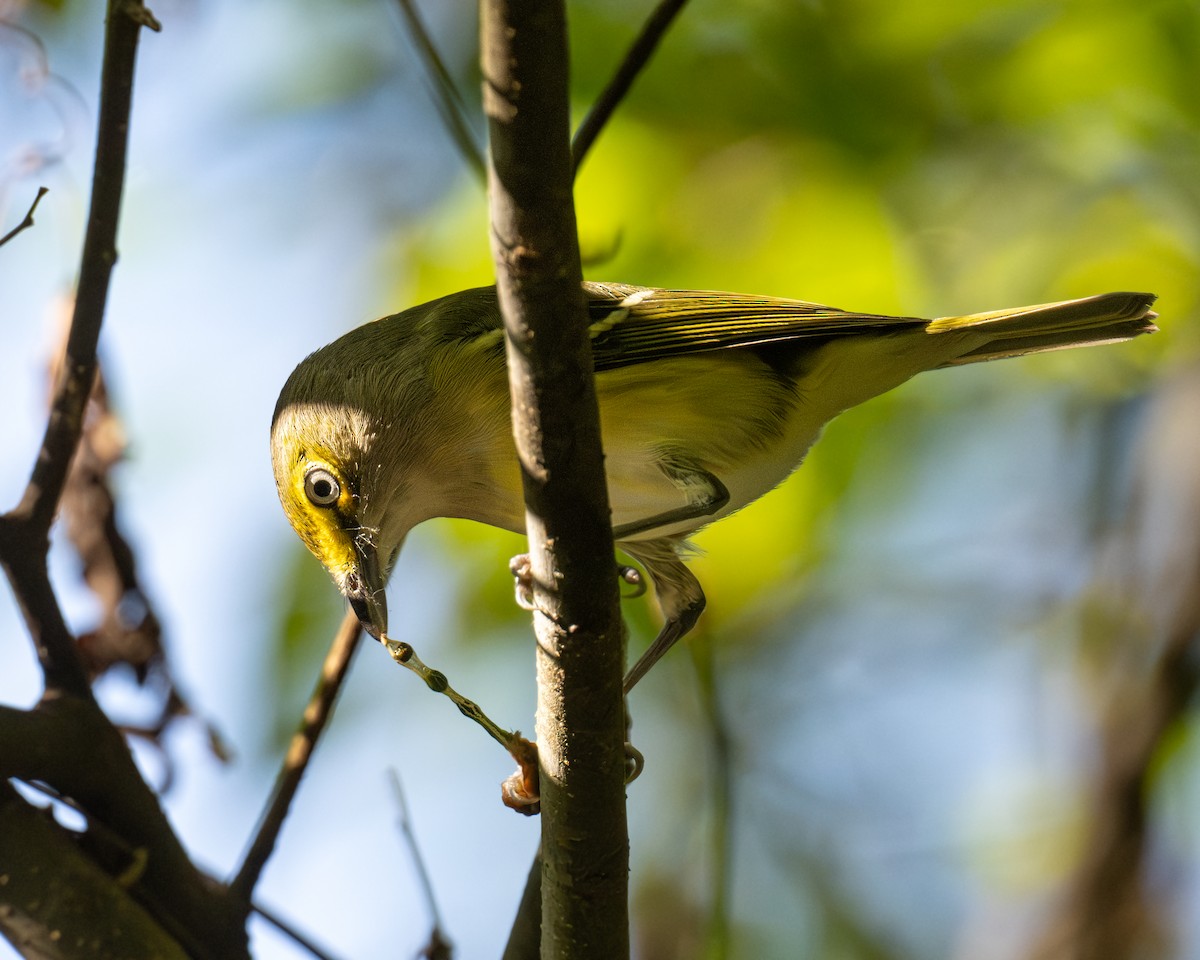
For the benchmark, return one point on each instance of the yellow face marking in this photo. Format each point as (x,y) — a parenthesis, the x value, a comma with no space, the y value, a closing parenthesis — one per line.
(326,529)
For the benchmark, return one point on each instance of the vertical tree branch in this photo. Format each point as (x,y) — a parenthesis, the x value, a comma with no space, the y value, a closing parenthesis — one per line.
(556,422)
(66,740)
(125,21)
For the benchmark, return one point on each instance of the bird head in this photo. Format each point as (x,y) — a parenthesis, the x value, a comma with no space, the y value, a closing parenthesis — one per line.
(319,451)
(346,442)
(396,422)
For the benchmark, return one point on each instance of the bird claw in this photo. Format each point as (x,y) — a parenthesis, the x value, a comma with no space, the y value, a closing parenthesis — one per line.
(521,791)
(521,567)
(634,762)
(632,576)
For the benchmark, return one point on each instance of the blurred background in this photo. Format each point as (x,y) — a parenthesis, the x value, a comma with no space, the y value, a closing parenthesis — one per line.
(900,730)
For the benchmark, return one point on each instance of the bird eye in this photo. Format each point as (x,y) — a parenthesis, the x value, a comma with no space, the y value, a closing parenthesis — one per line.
(321,487)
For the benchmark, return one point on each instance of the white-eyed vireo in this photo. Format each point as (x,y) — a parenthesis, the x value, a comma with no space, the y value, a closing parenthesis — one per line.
(707,401)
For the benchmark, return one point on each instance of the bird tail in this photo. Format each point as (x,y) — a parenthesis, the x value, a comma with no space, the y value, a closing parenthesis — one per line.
(1107,318)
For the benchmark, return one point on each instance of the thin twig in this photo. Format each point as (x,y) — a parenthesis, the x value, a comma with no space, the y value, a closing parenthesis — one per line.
(299,753)
(520,791)
(28,221)
(451,106)
(439,947)
(436,681)
(303,941)
(635,61)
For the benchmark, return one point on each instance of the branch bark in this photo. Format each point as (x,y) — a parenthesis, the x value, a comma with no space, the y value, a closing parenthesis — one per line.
(556,423)
(59,902)
(67,741)
(524,939)
(28,525)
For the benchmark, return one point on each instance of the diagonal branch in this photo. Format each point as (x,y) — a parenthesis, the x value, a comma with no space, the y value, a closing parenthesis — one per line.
(635,61)
(303,941)
(438,947)
(68,743)
(54,891)
(446,95)
(28,221)
(524,938)
(304,741)
(556,424)
(724,797)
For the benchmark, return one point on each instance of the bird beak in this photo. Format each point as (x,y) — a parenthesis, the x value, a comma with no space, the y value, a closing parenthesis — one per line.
(364,589)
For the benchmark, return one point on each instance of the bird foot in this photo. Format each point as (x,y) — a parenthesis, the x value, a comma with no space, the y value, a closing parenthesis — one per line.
(521,567)
(634,762)
(521,791)
(632,576)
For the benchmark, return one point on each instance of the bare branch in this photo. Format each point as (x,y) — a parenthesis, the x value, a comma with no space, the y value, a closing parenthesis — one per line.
(56,896)
(23,557)
(24,539)
(519,791)
(304,741)
(40,501)
(525,937)
(722,851)
(28,221)
(304,942)
(438,947)
(451,107)
(581,717)
(68,743)
(635,61)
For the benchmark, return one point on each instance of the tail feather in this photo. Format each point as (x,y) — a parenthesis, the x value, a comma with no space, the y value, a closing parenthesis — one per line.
(1107,318)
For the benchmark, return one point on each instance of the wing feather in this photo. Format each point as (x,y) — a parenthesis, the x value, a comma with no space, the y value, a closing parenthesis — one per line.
(637,324)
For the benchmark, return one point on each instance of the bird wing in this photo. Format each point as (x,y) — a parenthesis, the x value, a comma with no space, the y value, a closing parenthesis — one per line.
(631,324)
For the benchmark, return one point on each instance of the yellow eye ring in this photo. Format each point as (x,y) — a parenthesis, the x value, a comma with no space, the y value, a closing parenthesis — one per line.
(321,487)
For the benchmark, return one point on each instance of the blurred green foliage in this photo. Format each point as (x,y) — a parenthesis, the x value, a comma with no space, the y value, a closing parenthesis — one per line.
(881,157)
(868,618)
(907,158)
(921,159)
